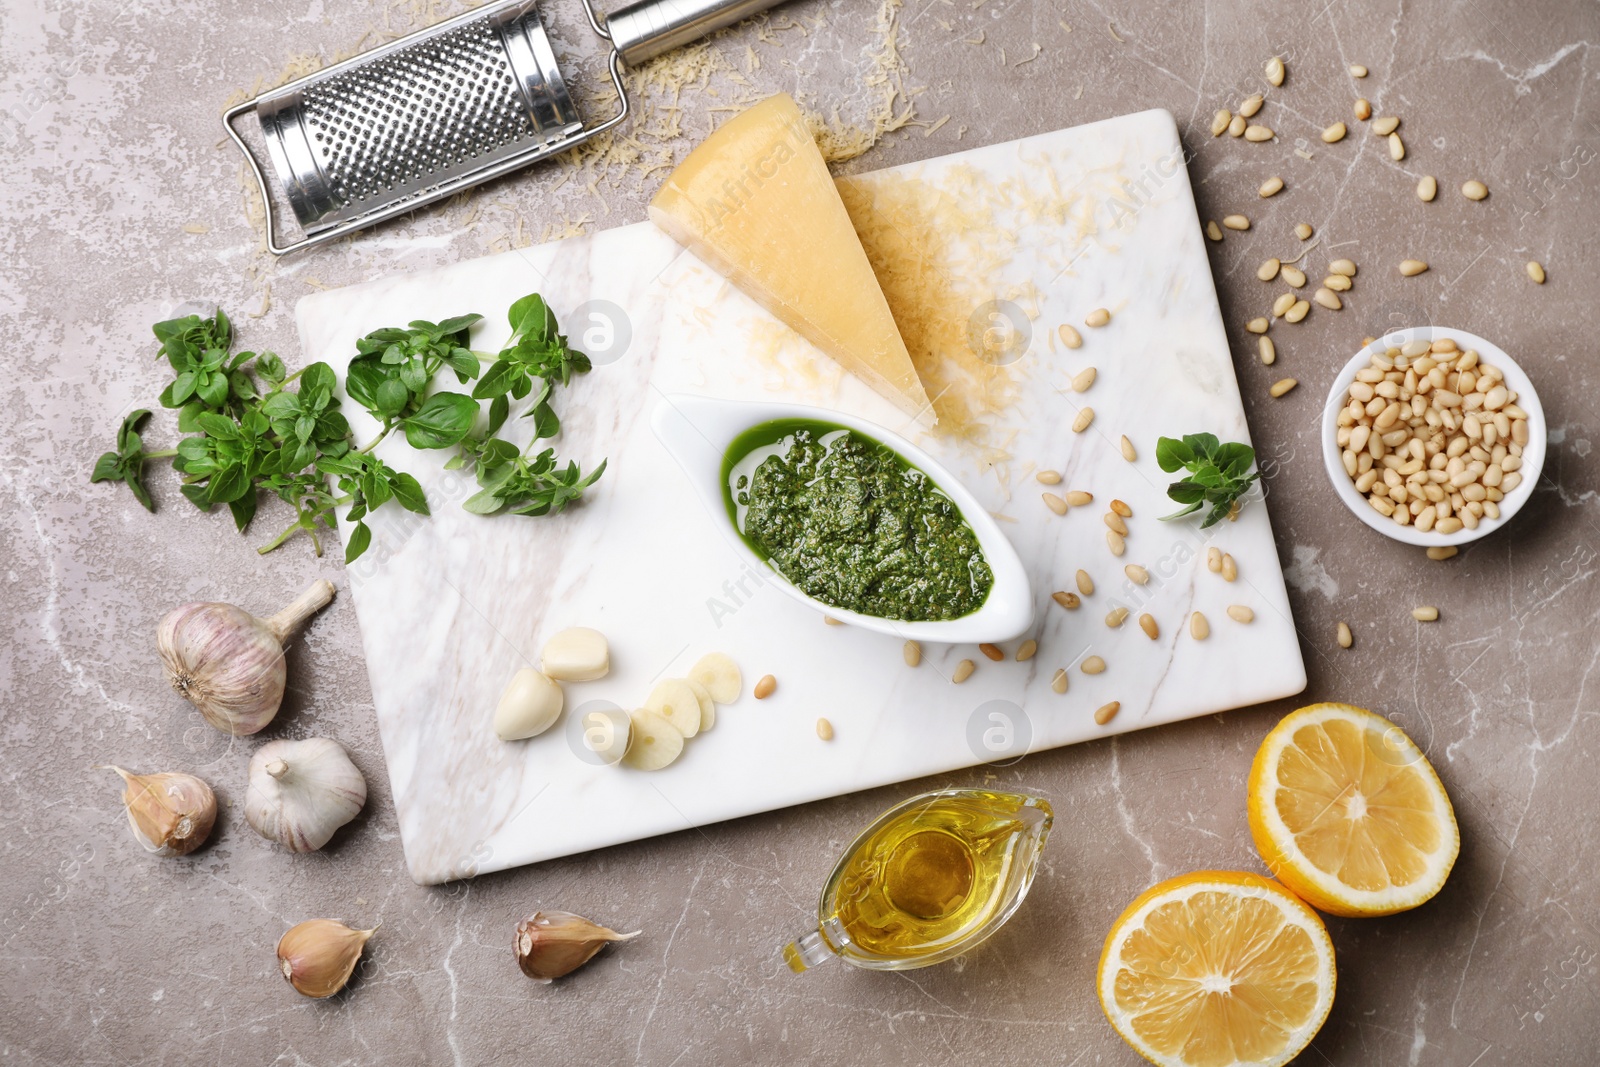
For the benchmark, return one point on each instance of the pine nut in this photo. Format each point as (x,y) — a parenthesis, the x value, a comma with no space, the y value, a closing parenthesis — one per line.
(1236,222)
(1345,638)
(1346,267)
(963,671)
(1240,613)
(825,729)
(1334,134)
(1276,70)
(1237,127)
(1147,623)
(1385,126)
(1121,508)
(1257,133)
(1113,520)
(831,621)
(1129,453)
(1054,503)
(1271,187)
(765,687)
(911,652)
(1069,335)
(1219,122)
(1115,543)
(1078,498)
(1251,105)
(1474,190)
(1268,270)
(1427,188)
(1297,313)
(1093,665)
(1328,299)
(1199,629)
(1106,712)
(1214,559)
(1357,70)
(1410,268)
(1425,614)
(1282,386)
(1084,418)
(1338,283)
(1293,275)
(1116,617)
(1281,306)
(1442,552)
(1363,109)
(1269,351)
(1084,379)
(1257,325)
(1303,230)
(1536,272)
(1058,681)
(992,651)
(1026,650)
(1230,569)
(1213,231)
(1137,574)
(1085,583)
(1048,478)
(1067,600)
(1097,318)
(1397,147)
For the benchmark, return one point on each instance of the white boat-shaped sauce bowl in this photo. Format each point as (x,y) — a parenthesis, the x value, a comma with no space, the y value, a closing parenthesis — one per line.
(698,432)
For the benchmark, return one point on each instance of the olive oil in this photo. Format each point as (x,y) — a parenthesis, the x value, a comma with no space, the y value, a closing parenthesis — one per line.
(930,879)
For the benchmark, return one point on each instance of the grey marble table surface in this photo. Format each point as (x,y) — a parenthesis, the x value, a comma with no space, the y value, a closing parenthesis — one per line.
(120,201)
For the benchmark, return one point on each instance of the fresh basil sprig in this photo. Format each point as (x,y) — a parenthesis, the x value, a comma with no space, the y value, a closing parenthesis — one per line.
(390,375)
(1219,474)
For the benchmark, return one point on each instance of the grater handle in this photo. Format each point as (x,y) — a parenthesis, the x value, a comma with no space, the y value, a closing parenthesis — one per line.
(646,28)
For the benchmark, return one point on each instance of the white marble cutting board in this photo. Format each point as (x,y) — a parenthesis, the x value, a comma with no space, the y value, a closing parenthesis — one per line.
(450,606)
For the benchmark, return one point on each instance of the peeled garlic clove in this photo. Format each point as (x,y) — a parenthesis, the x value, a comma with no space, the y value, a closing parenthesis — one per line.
(530,705)
(319,955)
(576,655)
(228,663)
(302,791)
(170,814)
(554,943)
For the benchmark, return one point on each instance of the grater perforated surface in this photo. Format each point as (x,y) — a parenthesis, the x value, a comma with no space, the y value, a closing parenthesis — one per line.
(418,116)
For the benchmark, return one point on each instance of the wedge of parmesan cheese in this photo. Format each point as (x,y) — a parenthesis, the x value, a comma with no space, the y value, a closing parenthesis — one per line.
(756,202)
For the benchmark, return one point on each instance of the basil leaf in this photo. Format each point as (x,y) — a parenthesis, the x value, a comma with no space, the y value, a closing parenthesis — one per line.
(360,538)
(392,397)
(499,378)
(1172,455)
(443,420)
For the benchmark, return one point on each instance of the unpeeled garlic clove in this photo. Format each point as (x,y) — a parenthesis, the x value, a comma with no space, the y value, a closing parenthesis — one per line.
(170,814)
(319,955)
(302,791)
(555,943)
(228,663)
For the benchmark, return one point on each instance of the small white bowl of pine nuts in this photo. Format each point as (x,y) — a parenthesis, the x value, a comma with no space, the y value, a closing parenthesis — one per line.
(1433,436)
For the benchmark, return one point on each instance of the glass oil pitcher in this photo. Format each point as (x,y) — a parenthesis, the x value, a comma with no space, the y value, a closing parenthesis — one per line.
(930,879)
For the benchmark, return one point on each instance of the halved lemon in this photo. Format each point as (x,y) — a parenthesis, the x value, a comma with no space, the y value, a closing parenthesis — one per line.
(1217,969)
(1349,813)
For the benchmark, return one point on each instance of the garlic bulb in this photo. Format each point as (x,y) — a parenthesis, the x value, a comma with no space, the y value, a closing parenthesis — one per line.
(302,791)
(170,814)
(553,943)
(319,955)
(228,663)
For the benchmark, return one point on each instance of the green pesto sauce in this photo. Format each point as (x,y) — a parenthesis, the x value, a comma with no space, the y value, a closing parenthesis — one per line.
(848,521)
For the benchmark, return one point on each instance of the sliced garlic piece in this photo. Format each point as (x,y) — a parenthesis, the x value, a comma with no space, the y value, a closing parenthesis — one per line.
(576,655)
(720,675)
(530,705)
(708,707)
(673,700)
(654,742)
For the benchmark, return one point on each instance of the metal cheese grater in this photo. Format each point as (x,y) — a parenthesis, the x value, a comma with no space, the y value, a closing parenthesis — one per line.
(443,109)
